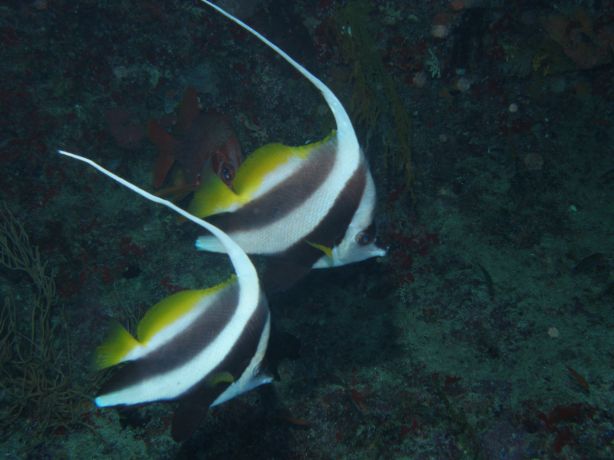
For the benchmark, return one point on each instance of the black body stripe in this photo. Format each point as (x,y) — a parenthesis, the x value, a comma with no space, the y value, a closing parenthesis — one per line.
(182,348)
(243,350)
(196,401)
(289,266)
(285,196)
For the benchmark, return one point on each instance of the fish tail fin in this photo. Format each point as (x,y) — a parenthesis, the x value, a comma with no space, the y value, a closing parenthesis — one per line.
(113,350)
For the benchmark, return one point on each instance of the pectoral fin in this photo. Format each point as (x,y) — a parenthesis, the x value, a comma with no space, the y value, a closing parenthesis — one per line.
(328,251)
(220,378)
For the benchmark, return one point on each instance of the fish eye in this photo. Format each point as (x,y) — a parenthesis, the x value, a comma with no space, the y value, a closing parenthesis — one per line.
(228,173)
(364,238)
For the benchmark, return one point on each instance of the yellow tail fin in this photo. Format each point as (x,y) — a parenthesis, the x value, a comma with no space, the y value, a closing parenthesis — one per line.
(113,350)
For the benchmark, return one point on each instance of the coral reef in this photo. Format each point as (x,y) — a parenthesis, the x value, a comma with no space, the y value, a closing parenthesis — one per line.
(485,333)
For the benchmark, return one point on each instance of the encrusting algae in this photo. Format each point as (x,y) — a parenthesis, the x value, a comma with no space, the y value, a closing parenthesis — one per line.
(374,98)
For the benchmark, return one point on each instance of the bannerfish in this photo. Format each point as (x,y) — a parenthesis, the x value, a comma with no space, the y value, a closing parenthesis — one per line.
(201,347)
(304,207)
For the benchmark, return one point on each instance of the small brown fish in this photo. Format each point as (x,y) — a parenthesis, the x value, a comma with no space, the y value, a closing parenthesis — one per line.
(199,140)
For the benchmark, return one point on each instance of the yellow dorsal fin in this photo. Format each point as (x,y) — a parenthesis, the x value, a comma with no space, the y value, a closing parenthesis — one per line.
(171,308)
(325,249)
(116,346)
(214,196)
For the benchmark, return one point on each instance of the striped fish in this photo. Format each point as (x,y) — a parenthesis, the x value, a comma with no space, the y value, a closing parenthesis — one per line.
(203,347)
(305,207)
